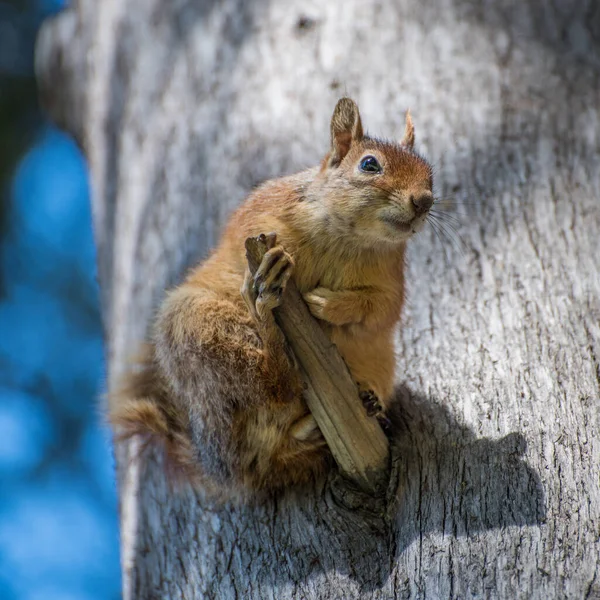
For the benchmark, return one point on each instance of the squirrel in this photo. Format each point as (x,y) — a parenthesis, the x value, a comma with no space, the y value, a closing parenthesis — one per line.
(217,383)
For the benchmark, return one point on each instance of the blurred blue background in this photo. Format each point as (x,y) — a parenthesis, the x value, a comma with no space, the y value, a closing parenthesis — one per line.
(58,509)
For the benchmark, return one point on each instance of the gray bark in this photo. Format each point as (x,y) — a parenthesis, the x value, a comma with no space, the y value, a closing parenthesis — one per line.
(181,107)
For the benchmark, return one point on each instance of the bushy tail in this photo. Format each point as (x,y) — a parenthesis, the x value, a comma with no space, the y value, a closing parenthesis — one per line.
(140,406)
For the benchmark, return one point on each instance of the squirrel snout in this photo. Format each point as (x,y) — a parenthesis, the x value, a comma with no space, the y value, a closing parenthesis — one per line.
(422,202)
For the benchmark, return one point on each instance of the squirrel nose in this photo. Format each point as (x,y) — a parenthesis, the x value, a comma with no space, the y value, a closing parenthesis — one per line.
(422,202)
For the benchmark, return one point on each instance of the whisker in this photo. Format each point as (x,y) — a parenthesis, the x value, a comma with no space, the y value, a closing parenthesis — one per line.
(463,211)
(451,235)
(435,229)
(447,224)
(451,200)
(447,216)
(456,198)
(450,240)
(461,216)
(454,230)
(449,205)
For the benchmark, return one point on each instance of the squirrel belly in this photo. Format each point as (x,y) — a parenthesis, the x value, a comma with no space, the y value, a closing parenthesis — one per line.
(218,384)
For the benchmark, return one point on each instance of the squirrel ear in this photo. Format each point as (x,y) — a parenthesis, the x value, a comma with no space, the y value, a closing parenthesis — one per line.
(409,132)
(346,127)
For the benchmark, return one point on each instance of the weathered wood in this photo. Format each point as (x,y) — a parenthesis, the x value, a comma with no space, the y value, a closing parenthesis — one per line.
(356,441)
(181,107)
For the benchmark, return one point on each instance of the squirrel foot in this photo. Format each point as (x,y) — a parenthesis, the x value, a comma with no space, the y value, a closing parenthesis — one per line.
(371,402)
(375,409)
(306,429)
(384,423)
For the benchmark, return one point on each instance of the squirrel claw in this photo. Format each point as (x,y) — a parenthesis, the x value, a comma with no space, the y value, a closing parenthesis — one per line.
(375,409)
(268,239)
(371,402)
(384,423)
(271,277)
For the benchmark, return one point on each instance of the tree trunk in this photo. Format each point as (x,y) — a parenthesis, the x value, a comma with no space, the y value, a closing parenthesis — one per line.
(182,106)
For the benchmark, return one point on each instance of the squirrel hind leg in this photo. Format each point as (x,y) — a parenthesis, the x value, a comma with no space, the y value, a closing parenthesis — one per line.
(306,429)
(223,367)
(282,446)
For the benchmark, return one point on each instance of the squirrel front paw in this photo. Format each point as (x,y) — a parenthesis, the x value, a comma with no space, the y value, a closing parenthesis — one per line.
(317,303)
(270,279)
(264,291)
(329,305)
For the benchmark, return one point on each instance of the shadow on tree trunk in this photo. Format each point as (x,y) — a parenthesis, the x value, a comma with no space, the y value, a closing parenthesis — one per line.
(455,484)
(444,481)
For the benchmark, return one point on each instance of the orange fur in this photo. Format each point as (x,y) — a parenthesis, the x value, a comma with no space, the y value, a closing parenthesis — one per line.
(218,384)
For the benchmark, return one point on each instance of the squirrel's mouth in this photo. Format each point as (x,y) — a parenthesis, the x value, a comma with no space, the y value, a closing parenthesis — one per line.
(397,223)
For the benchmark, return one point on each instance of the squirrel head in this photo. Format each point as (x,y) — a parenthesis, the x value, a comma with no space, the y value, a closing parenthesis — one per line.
(371,190)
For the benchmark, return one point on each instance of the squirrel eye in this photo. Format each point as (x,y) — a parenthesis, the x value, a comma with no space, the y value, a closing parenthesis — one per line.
(369,164)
